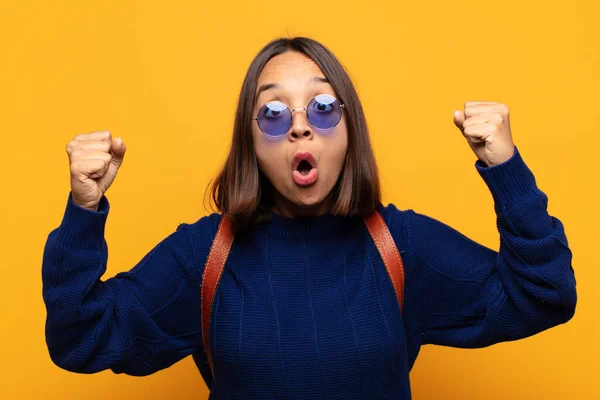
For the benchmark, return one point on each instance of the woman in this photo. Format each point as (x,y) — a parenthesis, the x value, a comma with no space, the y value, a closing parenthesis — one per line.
(304,308)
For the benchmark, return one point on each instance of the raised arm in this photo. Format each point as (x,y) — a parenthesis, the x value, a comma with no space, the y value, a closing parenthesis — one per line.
(139,321)
(467,295)
(136,322)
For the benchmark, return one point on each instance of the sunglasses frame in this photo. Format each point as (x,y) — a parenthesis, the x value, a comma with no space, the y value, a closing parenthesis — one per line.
(298,109)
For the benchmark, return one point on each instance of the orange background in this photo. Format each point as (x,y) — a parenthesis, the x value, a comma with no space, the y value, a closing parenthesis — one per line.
(166,78)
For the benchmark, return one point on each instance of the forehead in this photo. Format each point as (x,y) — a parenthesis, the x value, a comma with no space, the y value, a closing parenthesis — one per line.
(290,67)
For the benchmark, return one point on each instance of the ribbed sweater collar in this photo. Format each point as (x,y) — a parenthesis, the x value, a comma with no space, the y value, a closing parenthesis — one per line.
(307,227)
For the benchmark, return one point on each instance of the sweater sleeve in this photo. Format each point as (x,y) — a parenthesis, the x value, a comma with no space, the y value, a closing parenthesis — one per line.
(136,322)
(467,295)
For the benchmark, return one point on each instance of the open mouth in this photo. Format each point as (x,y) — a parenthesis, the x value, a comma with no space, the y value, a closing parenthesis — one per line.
(304,168)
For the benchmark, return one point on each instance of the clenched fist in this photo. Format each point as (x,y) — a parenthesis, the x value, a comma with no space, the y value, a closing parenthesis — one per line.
(486,127)
(94,160)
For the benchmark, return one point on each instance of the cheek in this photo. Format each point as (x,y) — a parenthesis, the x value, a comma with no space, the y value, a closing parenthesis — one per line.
(339,147)
(269,155)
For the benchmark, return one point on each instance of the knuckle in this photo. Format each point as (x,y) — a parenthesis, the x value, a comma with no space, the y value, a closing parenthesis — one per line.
(75,154)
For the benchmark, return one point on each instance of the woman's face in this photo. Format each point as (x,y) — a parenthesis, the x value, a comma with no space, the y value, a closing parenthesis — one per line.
(294,79)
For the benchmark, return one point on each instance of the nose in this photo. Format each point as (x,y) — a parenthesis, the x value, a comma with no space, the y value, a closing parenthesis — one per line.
(300,125)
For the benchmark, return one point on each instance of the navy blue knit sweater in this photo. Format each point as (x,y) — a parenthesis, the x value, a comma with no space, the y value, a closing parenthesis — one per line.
(305,308)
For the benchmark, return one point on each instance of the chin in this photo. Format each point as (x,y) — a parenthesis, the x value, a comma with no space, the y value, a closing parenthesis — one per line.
(307,199)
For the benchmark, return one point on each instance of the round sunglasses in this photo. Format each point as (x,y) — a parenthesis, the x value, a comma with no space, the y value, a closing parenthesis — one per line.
(275,118)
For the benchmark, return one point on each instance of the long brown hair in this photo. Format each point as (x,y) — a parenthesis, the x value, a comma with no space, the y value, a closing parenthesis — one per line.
(243,192)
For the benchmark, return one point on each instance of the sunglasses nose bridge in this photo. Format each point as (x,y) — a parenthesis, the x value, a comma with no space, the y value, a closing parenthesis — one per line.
(300,124)
(297,109)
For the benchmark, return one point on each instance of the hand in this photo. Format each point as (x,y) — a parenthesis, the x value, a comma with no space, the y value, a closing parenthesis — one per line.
(486,127)
(94,160)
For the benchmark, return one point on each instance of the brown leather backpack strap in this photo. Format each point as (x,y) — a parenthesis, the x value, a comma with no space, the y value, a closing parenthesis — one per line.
(389,252)
(210,279)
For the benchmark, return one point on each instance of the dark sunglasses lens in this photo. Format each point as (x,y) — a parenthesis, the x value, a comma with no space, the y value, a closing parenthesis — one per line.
(274,118)
(324,111)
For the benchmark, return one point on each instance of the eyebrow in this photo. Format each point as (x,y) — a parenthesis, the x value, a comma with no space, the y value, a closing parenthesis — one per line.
(277,86)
